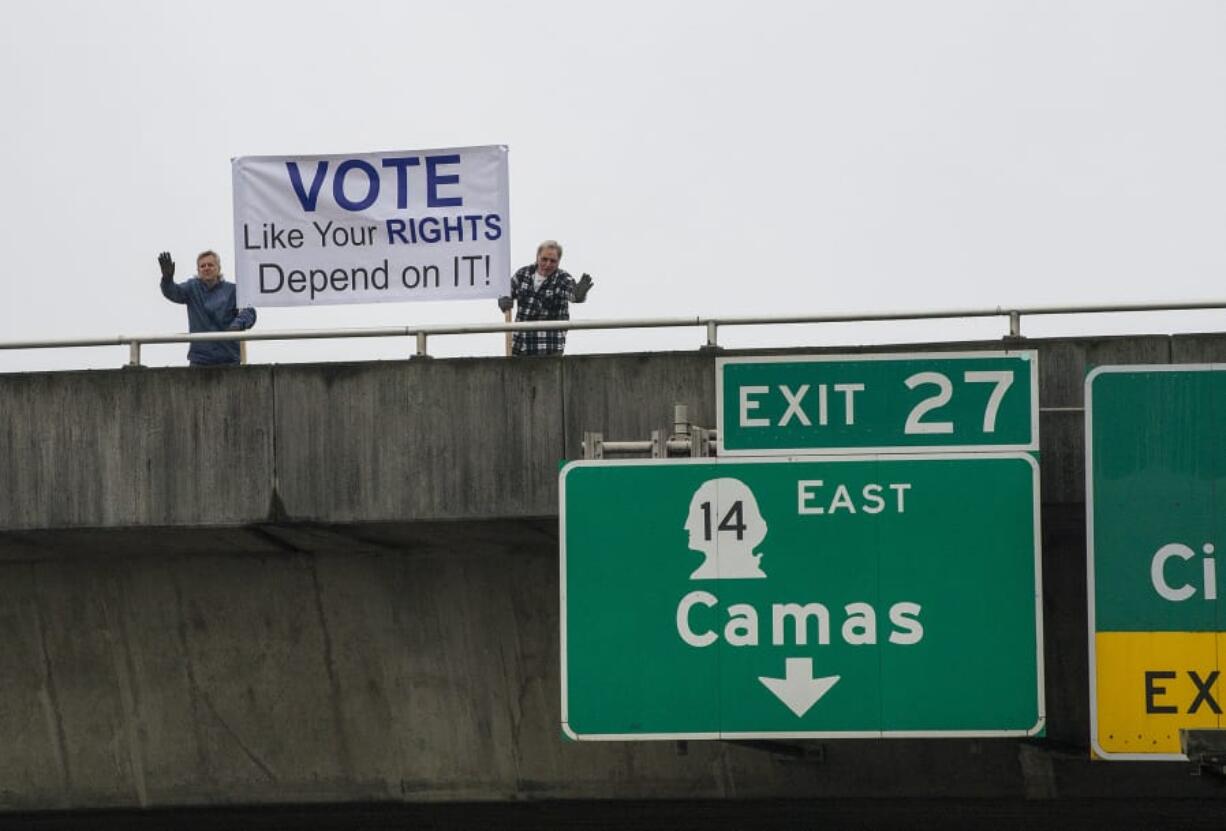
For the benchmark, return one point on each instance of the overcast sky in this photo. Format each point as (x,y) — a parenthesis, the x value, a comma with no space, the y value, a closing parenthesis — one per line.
(710,158)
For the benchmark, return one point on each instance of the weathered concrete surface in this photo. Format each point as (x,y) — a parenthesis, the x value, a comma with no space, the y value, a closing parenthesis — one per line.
(135,447)
(352,595)
(401,441)
(410,663)
(1198,349)
(627,398)
(418,439)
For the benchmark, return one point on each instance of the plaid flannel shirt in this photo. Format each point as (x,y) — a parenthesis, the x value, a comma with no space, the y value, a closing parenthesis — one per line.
(550,302)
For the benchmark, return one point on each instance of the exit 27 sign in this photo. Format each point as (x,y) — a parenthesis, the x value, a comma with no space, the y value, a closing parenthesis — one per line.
(965,401)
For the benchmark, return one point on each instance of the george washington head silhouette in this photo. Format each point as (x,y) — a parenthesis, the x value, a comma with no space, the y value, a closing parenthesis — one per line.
(724,524)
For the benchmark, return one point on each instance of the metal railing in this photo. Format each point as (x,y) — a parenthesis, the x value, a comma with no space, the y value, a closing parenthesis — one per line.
(712,325)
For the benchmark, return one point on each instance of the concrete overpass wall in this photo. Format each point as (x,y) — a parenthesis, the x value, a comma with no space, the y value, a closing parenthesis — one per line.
(338,583)
(379,442)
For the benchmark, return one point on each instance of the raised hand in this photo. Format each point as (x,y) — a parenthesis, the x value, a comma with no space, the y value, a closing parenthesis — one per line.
(583,287)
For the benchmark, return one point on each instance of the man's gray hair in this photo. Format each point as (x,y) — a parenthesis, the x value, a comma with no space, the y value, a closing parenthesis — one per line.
(550,243)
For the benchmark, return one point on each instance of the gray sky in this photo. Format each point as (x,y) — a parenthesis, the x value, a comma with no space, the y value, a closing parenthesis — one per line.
(711,158)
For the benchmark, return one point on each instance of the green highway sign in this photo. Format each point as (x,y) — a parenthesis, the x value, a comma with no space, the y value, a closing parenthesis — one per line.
(943,401)
(843,596)
(1156,520)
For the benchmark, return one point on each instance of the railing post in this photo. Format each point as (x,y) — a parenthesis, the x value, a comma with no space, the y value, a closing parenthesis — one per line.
(1015,324)
(421,346)
(712,336)
(134,353)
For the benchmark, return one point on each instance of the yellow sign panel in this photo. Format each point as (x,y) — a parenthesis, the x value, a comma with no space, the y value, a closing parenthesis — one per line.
(1149,685)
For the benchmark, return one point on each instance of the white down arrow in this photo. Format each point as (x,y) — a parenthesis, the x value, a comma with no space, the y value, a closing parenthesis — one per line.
(798,689)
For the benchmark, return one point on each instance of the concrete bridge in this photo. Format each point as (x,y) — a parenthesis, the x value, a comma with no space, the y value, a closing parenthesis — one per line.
(338,584)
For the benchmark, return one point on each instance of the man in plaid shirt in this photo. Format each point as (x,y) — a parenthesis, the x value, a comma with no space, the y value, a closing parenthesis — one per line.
(543,292)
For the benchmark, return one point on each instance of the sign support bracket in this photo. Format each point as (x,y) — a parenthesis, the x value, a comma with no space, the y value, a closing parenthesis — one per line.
(784,751)
(686,440)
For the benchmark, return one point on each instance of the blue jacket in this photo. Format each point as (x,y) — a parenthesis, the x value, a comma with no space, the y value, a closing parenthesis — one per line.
(210,310)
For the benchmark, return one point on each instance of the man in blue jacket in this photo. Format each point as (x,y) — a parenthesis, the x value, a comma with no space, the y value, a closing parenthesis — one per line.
(211,307)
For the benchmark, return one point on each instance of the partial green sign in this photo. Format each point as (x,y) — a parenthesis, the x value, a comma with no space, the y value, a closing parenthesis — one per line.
(1156,521)
(843,596)
(965,401)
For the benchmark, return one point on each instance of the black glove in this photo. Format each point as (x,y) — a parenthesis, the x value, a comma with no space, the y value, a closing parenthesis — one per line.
(581,289)
(167,264)
(504,303)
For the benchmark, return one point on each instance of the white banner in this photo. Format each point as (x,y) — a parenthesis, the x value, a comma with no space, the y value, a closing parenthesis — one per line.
(372,227)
